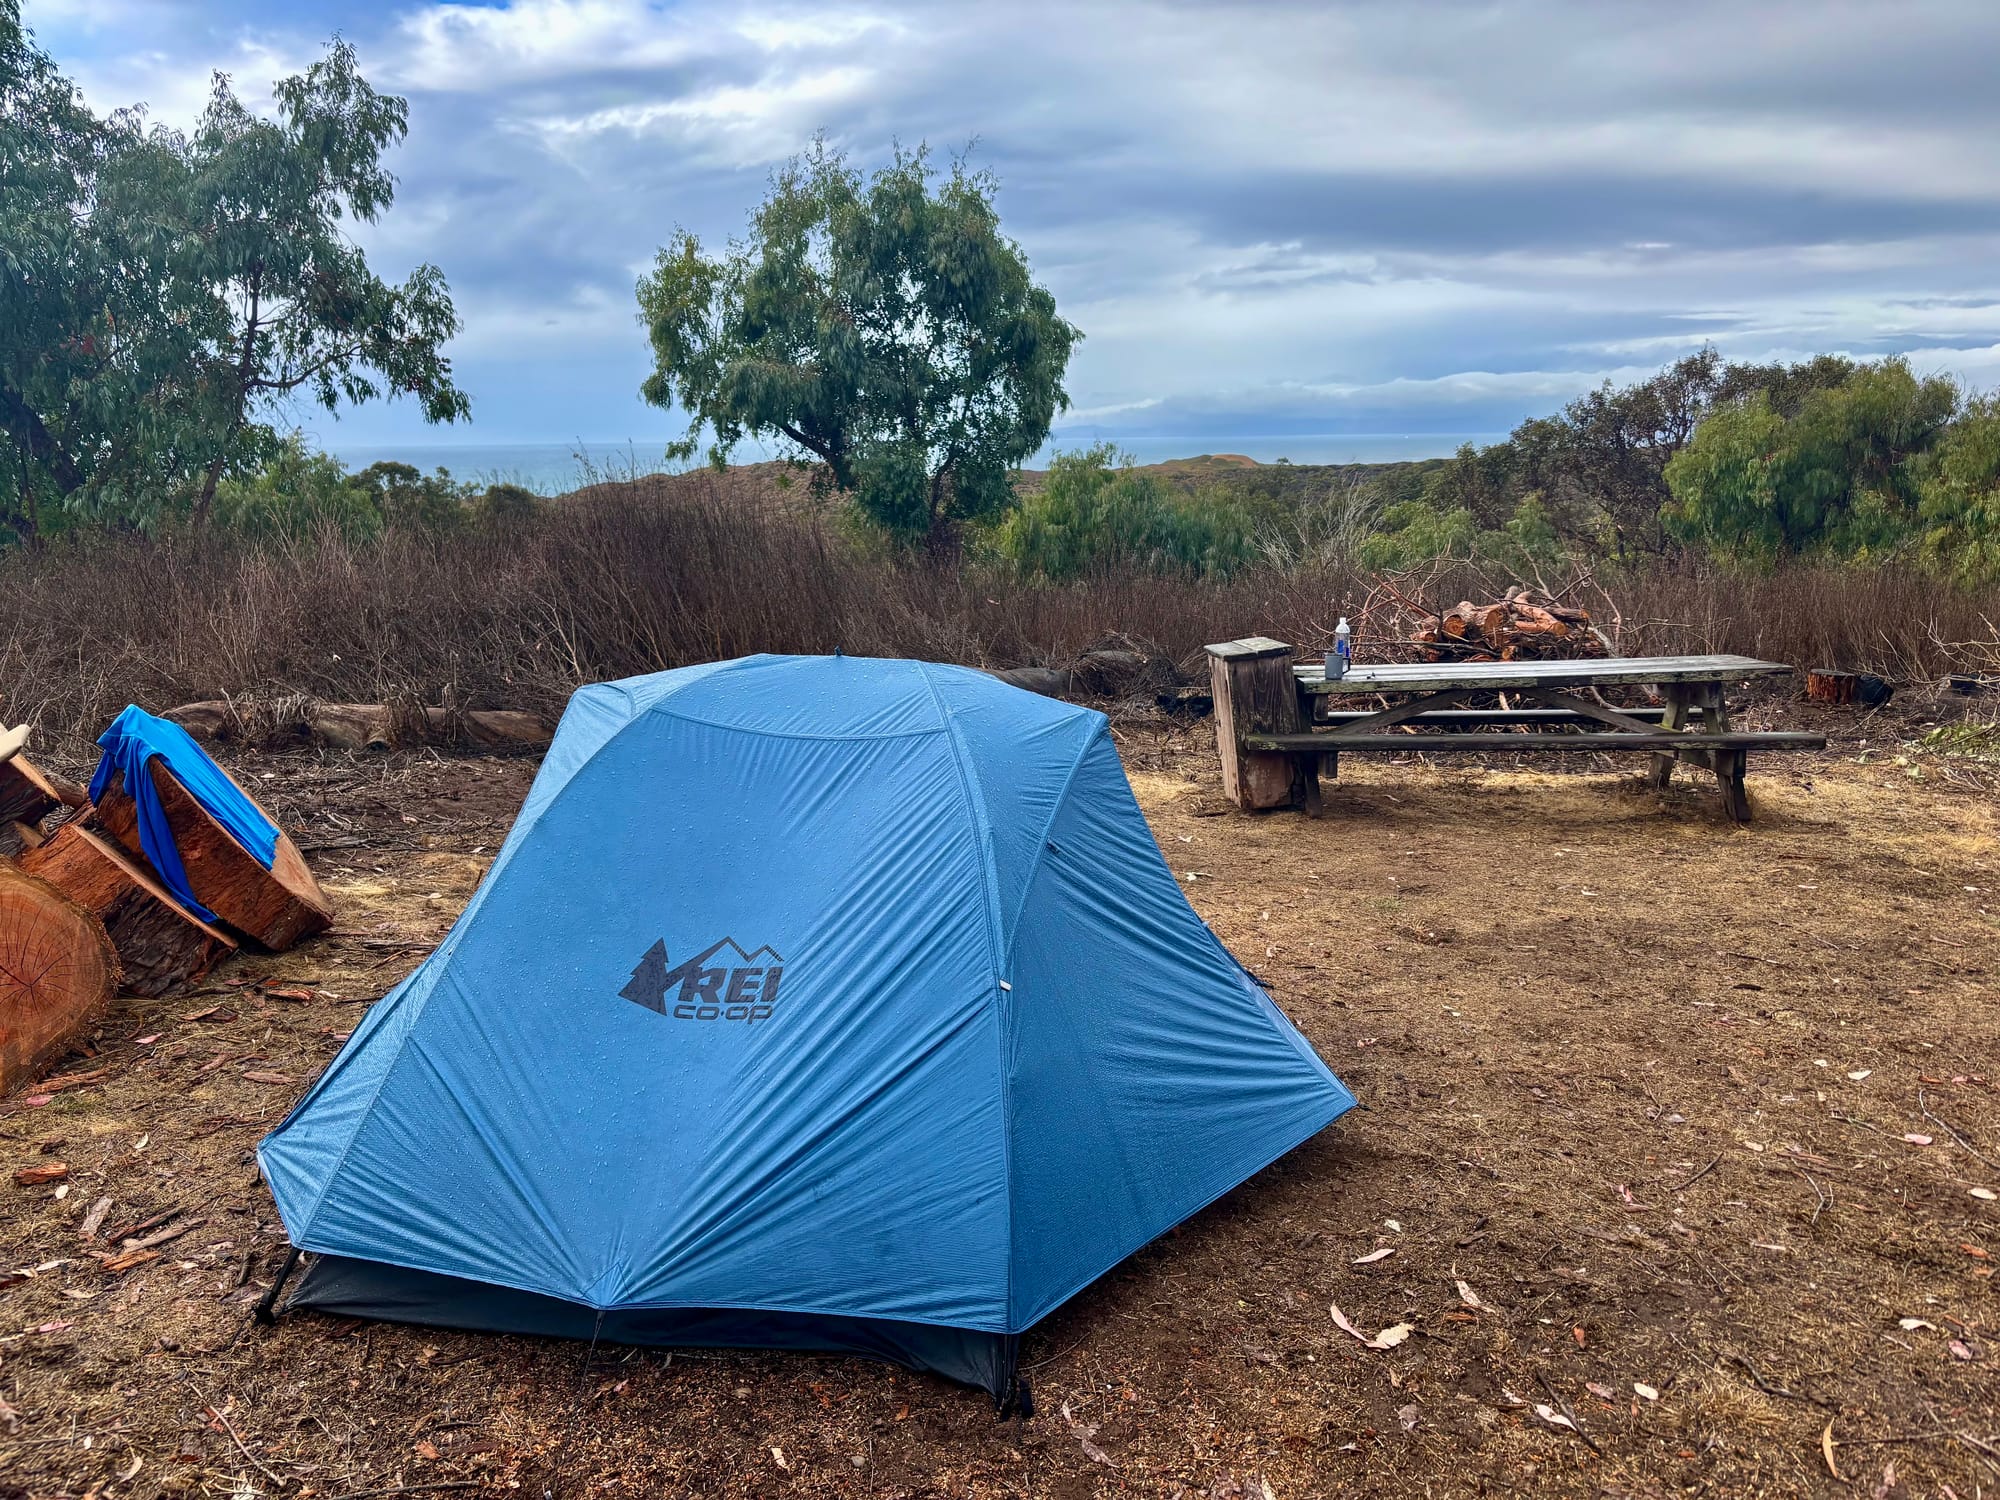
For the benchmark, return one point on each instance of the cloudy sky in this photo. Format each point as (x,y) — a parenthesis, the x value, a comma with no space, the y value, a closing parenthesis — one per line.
(1272,221)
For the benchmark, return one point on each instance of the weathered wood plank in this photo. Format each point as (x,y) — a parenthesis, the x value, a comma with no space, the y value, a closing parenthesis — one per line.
(1448,718)
(1439,676)
(1686,742)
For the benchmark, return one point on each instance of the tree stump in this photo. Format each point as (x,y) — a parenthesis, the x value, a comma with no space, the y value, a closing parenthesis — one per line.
(58,972)
(161,944)
(1826,686)
(274,907)
(1256,693)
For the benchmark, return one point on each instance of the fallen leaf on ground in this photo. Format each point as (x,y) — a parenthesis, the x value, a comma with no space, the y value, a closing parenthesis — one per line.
(1917,1140)
(778,1458)
(1407,1416)
(1826,1451)
(1471,1298)
(1083,1434)
(94,1218)
(1911,1325)
(1553,1417)
(264,1075)
(1601,1392)
(1958,1350)
(1984,1195)
(1374,1255)
(145,1041)
(1649,1392)
(1858,1074)
(1388,1338)
(426,1449)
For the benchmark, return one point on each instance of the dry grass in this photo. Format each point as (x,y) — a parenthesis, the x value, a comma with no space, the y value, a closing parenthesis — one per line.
(638,577)
(1617,990)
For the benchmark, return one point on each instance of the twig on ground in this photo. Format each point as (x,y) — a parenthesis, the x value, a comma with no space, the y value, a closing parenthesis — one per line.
(1823,1200)
(1683,1186)
(1945,1125)
(235,1437)
(1563,1407)
(1757,1378)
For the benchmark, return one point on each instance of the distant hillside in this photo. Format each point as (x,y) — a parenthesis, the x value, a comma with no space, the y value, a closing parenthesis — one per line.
(1266,488)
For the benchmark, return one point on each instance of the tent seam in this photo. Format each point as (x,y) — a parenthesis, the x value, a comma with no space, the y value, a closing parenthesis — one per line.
(782,734)
(1013,937)
(1042,843)
(1002,999)
(440,954)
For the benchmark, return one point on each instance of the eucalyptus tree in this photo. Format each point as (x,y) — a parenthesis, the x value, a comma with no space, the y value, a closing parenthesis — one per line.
(883,329)
(163,295)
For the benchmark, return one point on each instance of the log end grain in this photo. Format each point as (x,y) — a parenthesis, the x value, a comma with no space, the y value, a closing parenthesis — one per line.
(58,972)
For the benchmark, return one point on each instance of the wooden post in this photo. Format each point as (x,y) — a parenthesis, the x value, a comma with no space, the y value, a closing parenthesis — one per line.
(1255,693)
(1675,717)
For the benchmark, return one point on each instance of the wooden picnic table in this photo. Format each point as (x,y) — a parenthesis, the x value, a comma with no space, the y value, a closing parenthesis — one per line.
(1279,725)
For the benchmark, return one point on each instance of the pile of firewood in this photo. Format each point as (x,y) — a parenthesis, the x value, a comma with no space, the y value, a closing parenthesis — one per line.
(1516,628)
(84,915)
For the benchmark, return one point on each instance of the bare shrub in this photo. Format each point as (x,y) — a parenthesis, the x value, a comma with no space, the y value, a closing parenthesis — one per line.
(638,578)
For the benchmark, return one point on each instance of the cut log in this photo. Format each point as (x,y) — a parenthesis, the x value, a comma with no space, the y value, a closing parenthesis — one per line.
(274,907)
(161,944)
(364,726)
(29,794)
(58,972)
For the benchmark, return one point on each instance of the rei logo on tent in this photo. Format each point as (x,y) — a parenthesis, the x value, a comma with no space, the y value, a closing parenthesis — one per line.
(744,991)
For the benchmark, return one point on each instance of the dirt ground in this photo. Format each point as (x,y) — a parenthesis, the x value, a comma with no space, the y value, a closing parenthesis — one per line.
(1678,1162)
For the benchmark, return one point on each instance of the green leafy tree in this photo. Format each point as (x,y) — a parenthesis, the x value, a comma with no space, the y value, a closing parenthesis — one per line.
(1958,497)
(1094,515)
(298,494)
(267,200)
(1839,478)
(883,328)
(164,294)
(1416,532)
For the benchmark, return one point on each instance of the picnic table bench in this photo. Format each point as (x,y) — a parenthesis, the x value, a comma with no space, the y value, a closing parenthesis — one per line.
(1277,728)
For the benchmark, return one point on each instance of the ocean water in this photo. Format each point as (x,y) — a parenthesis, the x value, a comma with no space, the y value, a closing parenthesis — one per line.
(555,468)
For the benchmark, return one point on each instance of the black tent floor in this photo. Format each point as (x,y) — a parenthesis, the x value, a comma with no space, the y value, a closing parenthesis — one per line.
(370,1289)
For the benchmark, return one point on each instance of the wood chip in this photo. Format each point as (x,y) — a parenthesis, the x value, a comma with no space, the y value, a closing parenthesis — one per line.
(94,1218)
(130,1258)
(69,1081)
(263,1075)
(54,1171)
(1374,1255)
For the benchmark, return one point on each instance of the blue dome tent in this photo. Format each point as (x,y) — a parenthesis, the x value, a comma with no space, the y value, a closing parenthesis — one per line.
(812,1002)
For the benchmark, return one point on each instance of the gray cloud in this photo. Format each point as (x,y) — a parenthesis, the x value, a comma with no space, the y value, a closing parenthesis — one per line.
(1266,217)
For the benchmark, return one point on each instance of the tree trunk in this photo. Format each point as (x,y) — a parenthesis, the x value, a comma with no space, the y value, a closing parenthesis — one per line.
(58,976)
(161,944)
(26,424)
(275,907)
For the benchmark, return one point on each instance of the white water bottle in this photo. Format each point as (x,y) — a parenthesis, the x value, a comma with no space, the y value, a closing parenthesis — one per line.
(1343,650)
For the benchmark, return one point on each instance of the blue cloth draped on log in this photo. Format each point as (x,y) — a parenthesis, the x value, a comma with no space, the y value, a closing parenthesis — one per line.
(137,737)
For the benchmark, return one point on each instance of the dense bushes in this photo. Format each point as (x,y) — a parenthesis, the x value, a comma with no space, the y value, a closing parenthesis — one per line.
(640,577)
(1094,516)
(302,493)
